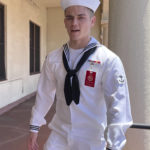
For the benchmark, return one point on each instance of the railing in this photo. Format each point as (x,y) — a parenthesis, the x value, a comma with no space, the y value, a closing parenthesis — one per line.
(140,126)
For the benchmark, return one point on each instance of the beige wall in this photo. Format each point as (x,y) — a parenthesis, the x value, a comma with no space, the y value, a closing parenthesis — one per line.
(57,34)
(105,23)
(19,83)
(129,37)
(105,15)
(96,28)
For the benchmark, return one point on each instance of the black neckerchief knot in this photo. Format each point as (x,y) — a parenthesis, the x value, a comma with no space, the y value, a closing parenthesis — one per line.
(72,90)
(72,73)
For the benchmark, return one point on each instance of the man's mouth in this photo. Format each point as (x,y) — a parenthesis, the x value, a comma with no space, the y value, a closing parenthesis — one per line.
(75,30)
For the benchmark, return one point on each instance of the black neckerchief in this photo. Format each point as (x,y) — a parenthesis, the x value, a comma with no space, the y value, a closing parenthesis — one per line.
(72,92)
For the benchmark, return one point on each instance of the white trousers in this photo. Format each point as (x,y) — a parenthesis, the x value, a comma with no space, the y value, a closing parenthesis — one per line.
(59,142)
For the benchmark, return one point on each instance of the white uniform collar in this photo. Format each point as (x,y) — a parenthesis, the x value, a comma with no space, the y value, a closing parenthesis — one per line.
(92,43)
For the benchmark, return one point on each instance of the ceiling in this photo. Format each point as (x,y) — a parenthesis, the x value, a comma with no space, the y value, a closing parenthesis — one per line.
(51,3)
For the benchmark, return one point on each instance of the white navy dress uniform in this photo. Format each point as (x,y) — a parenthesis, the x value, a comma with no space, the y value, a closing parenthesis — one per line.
(103,114)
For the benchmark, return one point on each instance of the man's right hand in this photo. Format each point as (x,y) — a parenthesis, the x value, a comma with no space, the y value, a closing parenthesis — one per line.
(32,141)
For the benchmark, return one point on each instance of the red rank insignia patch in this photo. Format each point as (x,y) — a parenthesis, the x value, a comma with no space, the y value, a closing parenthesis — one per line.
(90,78)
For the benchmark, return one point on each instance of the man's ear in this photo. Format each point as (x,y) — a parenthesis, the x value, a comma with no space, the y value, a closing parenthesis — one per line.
(93,20)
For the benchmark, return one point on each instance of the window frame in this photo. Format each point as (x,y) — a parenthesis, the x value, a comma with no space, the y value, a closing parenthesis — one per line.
(34,48)
(2,44)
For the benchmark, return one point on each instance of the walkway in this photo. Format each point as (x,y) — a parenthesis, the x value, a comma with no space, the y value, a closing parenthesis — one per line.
(14,127)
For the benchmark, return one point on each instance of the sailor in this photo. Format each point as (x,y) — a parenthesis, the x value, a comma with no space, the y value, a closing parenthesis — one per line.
(90,85)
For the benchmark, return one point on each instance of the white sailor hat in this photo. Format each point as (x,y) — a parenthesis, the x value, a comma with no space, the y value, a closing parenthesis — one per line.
(92,4)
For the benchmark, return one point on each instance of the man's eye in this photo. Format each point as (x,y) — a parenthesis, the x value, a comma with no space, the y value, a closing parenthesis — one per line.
(80,18)
(69,18)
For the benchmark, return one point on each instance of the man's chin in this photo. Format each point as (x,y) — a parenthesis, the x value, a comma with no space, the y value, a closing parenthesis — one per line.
(74,38)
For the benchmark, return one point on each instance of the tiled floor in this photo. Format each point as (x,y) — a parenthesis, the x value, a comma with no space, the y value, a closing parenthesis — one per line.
(14,127)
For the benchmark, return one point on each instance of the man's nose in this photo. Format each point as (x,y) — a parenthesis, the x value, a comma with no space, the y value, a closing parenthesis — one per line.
(74,21)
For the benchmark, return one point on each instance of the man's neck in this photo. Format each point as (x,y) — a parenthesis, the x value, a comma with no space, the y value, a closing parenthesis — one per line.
(79,44)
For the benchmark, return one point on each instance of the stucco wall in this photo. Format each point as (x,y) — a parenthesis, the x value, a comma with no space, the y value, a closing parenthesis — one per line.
(19,83)
(129,37)
(96,28)
(57,34)
(105,15)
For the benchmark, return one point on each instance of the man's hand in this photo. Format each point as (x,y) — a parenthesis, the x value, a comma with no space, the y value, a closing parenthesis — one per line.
(32,141)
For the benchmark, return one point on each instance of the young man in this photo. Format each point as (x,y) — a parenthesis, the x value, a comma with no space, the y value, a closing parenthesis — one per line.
(89,82)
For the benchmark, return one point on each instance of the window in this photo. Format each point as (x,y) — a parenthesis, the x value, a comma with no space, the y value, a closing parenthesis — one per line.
(2,44)
(34,48)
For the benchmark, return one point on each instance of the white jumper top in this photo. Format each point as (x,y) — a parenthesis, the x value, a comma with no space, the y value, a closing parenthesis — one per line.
(103,113)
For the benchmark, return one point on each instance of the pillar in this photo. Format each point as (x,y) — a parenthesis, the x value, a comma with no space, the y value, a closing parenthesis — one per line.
(129,37)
